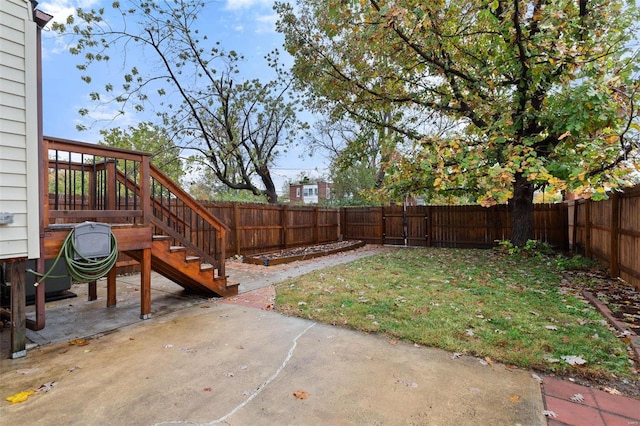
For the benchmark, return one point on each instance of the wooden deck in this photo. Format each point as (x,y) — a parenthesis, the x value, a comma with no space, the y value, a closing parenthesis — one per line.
(88,182)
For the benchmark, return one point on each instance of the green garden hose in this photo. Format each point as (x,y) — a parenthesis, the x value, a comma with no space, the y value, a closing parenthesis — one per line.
(82,270)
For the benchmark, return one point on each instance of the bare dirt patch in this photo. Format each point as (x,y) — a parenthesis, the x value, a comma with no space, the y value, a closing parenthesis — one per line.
(302,253)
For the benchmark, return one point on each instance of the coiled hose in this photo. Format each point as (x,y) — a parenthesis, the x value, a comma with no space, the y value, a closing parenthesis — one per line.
(82,270)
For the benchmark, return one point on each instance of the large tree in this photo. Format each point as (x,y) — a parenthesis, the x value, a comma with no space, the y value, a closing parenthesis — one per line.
(238,125)
(544,92)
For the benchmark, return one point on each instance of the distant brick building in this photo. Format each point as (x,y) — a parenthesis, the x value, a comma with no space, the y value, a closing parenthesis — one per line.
(310,193)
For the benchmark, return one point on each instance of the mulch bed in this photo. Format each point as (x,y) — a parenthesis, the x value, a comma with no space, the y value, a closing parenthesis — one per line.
(301,253)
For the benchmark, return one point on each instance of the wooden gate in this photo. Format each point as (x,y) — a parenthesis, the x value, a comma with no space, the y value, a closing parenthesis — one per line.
(405,226)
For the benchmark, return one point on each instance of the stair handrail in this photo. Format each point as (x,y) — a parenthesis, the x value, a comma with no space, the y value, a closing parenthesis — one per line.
(200,211)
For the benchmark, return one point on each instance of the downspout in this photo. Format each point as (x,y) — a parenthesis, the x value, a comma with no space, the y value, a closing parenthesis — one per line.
(41,19)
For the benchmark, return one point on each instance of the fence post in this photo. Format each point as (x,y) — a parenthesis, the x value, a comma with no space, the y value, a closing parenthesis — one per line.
(614,267)
(383,225)
(429,226)
(587,228)
(236,227)
(316,228)
(285,225)
(574,238)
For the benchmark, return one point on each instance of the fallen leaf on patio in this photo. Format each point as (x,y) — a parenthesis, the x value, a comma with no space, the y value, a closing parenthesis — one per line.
(204,306)
(612,391)
(46,387)
(301,394)
(79,342)
(168,346)
(489,360)
(514,398)
(229,374)
(20,396)
(207,389)
(239,347)
(549,413)
(456,355)
(577,398)
(269,307)
(72,369)
(393,342)
(573,360)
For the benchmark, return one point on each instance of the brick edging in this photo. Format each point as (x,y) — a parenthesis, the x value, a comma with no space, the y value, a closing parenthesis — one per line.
(619,325)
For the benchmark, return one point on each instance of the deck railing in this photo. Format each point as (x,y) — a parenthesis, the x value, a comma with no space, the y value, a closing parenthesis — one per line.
(105,184)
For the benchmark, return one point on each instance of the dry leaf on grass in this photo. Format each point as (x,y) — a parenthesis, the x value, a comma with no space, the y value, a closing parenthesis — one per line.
(301,394)
(574,360)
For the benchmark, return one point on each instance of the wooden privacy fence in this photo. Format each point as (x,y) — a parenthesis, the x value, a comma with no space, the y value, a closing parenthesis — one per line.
(609,231)
(260,228)
(449,226)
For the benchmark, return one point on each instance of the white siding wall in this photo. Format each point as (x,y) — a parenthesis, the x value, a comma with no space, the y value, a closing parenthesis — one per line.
(18,130)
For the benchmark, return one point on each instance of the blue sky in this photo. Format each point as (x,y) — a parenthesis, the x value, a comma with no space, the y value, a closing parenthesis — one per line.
(246,26)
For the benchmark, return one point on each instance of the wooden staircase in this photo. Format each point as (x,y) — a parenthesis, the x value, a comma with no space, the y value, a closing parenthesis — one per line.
(186,269)
(121,187)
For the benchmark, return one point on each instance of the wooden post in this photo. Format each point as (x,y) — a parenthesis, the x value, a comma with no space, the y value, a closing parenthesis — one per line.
(111,288)
(145,191)
(18,302)
(614,266)
(316,228)
(428,226)
(285,226)
(383,226)
(236,227)
(587,228)
(574,238)
(145,284)
(92,291)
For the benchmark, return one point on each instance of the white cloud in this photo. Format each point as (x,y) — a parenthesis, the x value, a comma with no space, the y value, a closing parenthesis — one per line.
(246,4)
(61,9)
(266,23)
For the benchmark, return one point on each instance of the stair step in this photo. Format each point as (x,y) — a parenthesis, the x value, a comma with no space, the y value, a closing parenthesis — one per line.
(206,266)
(192,259)
(177,248)
(161,237)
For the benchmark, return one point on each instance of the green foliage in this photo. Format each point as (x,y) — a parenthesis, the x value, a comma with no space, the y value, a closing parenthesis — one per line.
(541,94)
(530,248)
(147,137)
(575,263)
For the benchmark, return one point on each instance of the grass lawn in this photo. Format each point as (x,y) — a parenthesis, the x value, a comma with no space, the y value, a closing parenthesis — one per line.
(511,309)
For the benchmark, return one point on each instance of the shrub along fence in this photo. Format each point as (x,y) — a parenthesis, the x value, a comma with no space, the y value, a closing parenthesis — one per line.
(449,226)
(609,231)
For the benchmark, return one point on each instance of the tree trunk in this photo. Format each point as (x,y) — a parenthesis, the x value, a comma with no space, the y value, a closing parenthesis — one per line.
(521,206)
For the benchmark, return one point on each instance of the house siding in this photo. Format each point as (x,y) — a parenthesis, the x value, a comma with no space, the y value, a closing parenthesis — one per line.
(18,130)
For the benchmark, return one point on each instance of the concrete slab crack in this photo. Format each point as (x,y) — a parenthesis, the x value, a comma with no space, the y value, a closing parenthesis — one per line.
(224,418)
